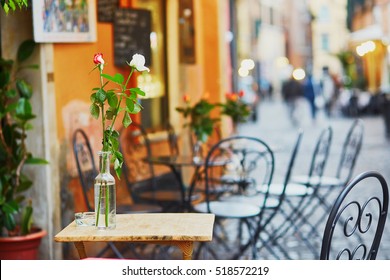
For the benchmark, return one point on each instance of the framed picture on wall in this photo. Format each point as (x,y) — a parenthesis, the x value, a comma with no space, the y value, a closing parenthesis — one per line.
(64,21)
(186,32)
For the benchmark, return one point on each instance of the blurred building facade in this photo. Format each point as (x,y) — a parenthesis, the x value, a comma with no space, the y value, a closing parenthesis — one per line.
(330,34)
(368,22)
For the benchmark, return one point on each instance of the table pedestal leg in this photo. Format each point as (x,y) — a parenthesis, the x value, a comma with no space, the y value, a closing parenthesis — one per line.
(80,249)
(186,248)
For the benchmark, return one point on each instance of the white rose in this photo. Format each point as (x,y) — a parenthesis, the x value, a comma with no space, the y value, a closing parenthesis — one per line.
(138,62)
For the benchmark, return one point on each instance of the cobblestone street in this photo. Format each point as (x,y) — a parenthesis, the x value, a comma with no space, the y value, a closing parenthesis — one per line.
(274,126)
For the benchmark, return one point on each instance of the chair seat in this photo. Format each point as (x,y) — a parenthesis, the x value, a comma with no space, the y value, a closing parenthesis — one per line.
(256,200)
(292,189)
(138,208)
(227,209)
(314,180)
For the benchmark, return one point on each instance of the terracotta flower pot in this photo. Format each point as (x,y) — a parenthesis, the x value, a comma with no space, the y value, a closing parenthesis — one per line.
(21,247)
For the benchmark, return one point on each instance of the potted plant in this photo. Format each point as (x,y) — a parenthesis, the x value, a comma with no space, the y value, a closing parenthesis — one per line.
(16,211)
(235,108)
(199,121)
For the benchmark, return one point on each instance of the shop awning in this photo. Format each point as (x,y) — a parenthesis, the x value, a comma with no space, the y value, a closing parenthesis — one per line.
(372,32)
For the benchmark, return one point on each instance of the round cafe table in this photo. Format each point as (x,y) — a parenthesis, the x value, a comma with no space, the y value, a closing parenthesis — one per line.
(176,163)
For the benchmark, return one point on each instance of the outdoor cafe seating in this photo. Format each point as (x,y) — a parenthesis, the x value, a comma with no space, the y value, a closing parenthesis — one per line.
(236,184)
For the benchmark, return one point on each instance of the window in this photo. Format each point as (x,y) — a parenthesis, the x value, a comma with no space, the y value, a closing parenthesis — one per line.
(325,42)
(324,15)
(154,83)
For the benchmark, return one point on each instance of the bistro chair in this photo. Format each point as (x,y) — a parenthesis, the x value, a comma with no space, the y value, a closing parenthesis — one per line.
(249,161)
(298,198)
(329,184)
(87,171)
(359,216)
(141,177)
(349,154)
(265,232)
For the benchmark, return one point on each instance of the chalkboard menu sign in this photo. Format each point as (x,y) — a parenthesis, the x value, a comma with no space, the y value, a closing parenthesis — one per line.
(132,28)
(106,9)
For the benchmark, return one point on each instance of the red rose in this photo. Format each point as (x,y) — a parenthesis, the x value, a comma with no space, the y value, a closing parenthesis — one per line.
(98,58)
(186,98)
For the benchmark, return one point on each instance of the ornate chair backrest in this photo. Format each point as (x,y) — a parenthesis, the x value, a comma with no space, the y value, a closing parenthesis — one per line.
(350,151)
(358,216)
(249,162)
(321,153)
(85,164)
(135,146)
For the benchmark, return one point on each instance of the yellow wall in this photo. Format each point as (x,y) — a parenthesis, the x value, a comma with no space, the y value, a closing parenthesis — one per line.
(210,60)
(73,63)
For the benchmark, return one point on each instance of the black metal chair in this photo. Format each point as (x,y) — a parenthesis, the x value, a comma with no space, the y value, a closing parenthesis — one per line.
(331,184)
(144,183)
(349,154)
(359,216)
(266,232)
(298,198)
(87,171)
(247,161)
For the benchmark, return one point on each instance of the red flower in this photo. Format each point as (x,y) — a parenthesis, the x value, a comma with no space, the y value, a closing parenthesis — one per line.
(98,59)
(241,93)
(186,98)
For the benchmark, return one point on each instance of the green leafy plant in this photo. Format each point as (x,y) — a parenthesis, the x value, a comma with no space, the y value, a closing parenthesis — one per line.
(109,103)
(15,120)
(8,5)
(198,118)
(235,108)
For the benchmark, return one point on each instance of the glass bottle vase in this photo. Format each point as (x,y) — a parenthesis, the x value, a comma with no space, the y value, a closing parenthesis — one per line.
(105,194)
(197,152)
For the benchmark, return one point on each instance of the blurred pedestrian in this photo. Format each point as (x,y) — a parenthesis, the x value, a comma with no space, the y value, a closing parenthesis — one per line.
(328,90)
(309,89)
(292,90)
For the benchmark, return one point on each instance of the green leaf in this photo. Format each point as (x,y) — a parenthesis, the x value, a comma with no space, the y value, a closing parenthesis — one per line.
(137,91)
(118,168)
(9,221)
(10,207)
(26,220)
(24,89)
(126,120)
(115,134)
(114,143)
(129,105)
(11,93)
(6,8)
(112,100)
(109,114)
(137,109)
(117,78)
(101,95)
(93,97)
(4,77)
(25,50)
(34,160)
(94,109)
(23,186)
(23,108)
